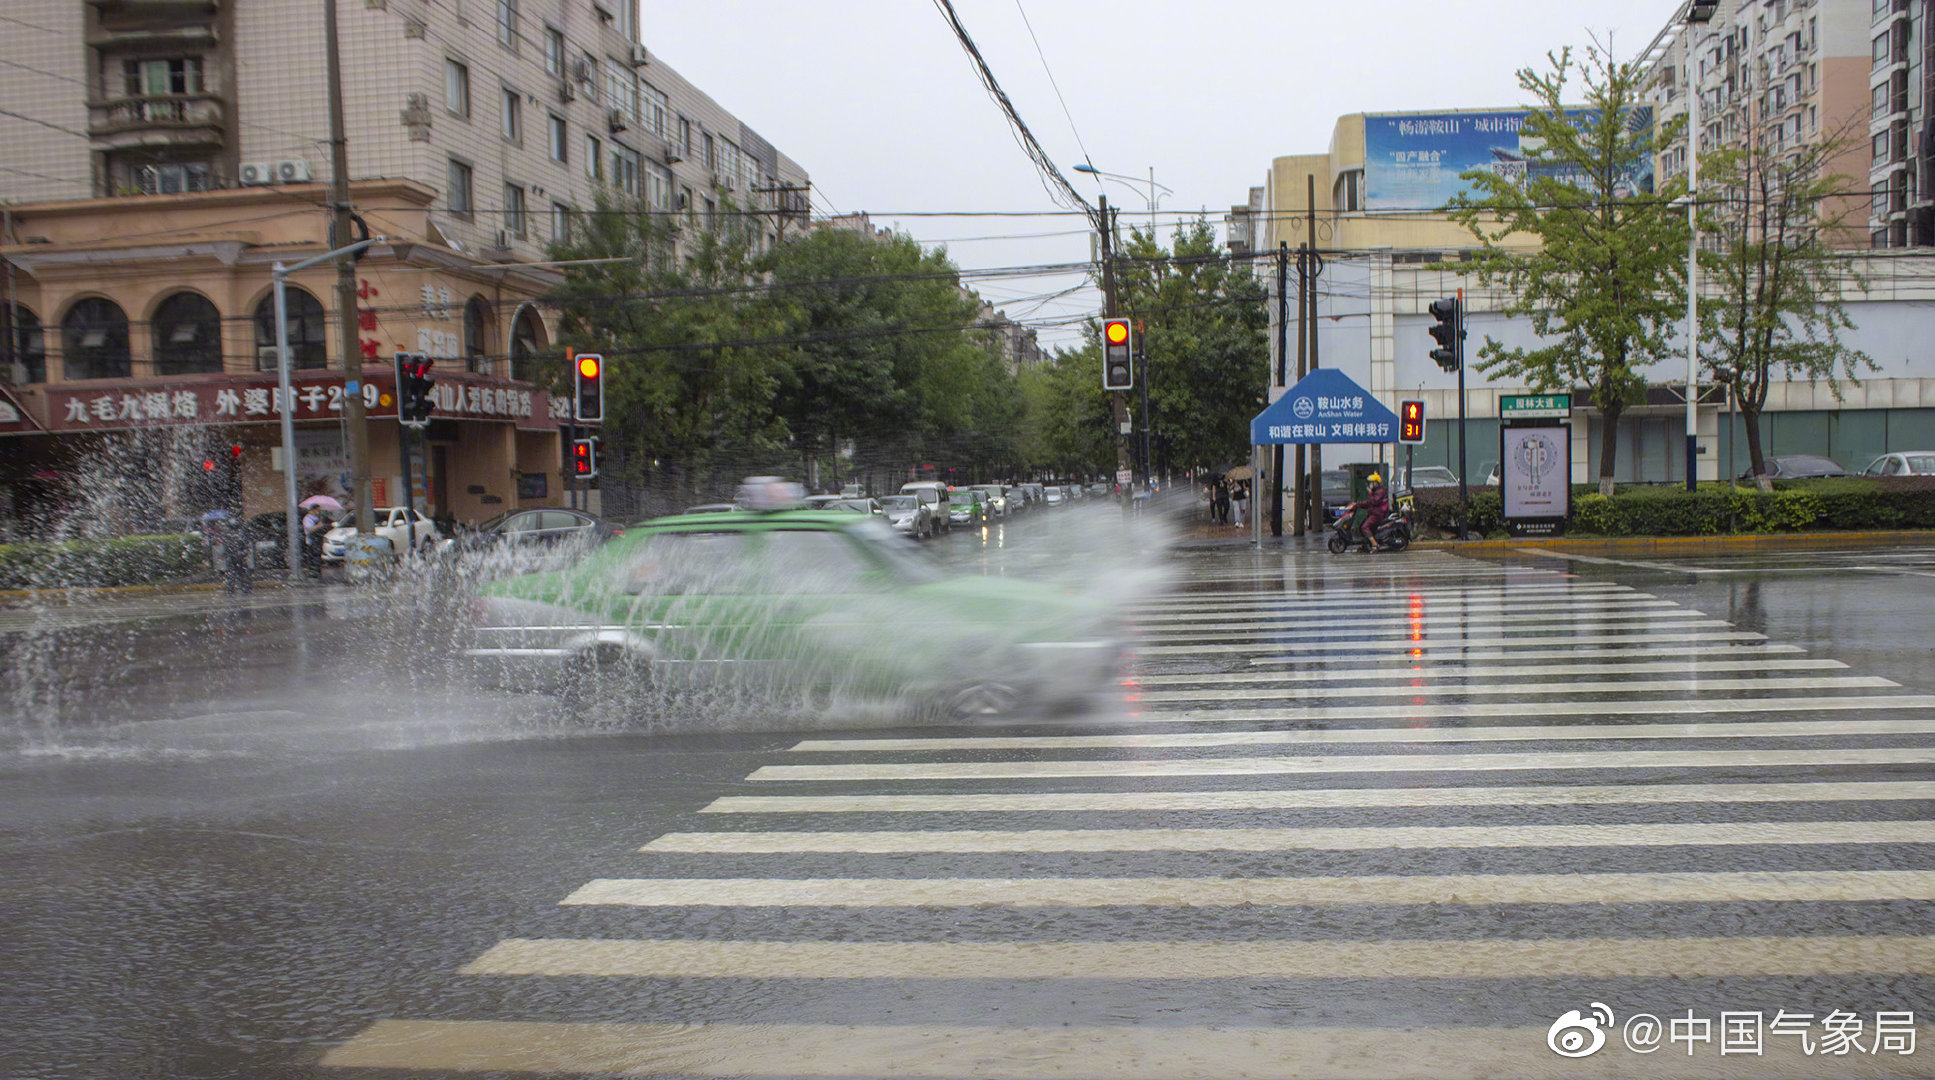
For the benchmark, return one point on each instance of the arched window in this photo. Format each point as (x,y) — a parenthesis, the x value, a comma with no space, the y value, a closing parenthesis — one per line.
(23,346)
(477,335)
(527,341)
(306,330)
(187,335)
(94,341)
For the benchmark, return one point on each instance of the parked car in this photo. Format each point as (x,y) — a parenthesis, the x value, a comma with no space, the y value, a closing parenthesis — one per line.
(1903,463)
(909,514)
(1425,476)
(793,598)
(997,499)
(967,506)
(1098,490)
(269,541)
(858,504)
(1336,483)
(391,523)
(935,493)
(1797,467)
(1053,496)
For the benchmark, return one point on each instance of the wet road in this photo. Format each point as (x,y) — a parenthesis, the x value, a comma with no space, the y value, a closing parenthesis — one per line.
(1349,817)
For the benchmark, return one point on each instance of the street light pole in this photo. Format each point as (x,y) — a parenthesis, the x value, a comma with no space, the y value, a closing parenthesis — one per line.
(1697,15)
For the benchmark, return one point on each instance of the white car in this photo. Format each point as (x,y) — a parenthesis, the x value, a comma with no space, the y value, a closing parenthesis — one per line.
(389,522)
(1903,463)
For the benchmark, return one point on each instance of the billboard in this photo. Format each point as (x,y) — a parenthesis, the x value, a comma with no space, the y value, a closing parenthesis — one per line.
(1537,472)
(1412,161)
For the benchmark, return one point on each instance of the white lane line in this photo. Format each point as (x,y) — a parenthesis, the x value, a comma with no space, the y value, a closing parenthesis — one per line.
(1326,798)
(1438,625)
(1356,838)
(1427,959)
(1496,709)
(1438,610)
(1742,729)
(1825,886)
(1351,594)
(1316,764)
(1638,636)
(1703,686)
(1635,652)
(1294,605)
(1148,1051)
(1454,670)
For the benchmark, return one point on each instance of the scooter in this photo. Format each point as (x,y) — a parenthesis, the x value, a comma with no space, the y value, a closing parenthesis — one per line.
(1393,533)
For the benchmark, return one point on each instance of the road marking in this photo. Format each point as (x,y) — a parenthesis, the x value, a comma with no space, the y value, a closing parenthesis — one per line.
(1483,959)
(1126,1051)
(1681,652)
(1455,670)
(1349,594)
(1324,798)
(1433,627)
(1703,686)
(1442,607)
(1350,736)
(1833,886)
(1496,709)
(1354,763)
(1638,636)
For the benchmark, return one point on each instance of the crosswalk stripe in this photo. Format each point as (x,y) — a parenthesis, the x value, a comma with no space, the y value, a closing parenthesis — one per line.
(1432,627)
(1834,886)
(1324,798)
(1635,651)
(1355,736)
(1507,689)
(1453,670)
(1638,636)
(1445,608)
(1051,1052)
(1354,595)
(1353,763)
(1494,709)
(1352,838)
(1479,959)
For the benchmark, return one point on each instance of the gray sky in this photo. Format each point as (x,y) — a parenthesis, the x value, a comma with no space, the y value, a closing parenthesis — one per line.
(877,100)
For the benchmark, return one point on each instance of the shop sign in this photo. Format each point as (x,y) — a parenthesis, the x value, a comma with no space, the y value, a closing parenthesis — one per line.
(239,402)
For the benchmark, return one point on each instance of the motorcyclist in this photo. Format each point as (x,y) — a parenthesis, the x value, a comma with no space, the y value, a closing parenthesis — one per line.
(1376,505)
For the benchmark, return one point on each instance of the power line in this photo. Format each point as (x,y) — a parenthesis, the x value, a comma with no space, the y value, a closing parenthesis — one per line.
(1090,162)
(43,123)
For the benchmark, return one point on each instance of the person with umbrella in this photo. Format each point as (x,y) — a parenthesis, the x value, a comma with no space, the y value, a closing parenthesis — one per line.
(314,524)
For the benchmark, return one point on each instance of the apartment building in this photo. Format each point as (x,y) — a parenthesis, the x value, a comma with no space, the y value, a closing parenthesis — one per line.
(164,154)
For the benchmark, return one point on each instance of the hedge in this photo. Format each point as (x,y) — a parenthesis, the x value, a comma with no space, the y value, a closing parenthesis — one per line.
(121,560)
(1850,503)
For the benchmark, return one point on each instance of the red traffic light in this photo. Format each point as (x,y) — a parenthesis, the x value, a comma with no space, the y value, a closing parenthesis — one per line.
(235,453)
(584,458)
(208,464)
(1411,421)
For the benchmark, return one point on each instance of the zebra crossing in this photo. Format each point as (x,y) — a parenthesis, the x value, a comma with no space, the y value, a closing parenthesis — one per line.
(1348,818)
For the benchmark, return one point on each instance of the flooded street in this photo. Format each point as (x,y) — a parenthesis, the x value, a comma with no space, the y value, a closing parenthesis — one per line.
(1344,816)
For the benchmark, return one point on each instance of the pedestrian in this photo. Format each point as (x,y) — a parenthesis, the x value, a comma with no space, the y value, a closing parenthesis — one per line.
(1240,502)
(314,525)
(232,539)
(1219,503)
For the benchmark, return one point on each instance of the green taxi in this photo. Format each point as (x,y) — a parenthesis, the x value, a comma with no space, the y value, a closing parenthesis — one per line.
(795,599)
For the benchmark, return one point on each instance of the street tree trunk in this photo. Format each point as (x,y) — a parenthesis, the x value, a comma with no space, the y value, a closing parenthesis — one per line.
(1608,447)
(1750,412)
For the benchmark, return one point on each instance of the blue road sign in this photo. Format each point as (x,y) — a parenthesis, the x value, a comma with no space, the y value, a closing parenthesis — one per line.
(1324,407)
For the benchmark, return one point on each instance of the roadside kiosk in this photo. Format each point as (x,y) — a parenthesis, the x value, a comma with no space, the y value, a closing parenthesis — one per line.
(1535,462)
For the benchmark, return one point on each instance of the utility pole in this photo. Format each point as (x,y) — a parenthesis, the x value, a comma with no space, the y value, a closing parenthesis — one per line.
(1120,398)
(1303,361)
(353,416)
(1310,323)
(1283,361)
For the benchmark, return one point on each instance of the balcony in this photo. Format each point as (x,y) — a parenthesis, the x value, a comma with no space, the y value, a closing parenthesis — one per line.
(180,120)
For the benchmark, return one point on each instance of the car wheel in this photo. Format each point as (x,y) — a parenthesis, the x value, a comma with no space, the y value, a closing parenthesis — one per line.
(982,700)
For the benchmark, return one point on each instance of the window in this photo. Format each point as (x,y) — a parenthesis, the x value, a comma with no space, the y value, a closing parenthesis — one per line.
(621,90)
(685,136)
(1881,148)
(187,335)
(711,214)
(652,106)
(307,328)
(554,51)
(527,339)
(163,78)
(477,336)
(658,186)
(624,169)
(458,196)
(514,222)
(560,223)
(589,63)
(23,346)
(709,159)
(507,24)
(172,179)
(94,341)
(1881,52)
(594,164)
(1881,100)
(560,144)
(456,88)
(1879,10)
(685,201)
(513,115)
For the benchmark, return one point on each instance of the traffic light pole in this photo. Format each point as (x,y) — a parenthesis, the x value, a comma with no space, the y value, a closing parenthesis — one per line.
(353,416)
(1301,514)
(1464,482)
(403,437)
(1283,342)
(1119,399)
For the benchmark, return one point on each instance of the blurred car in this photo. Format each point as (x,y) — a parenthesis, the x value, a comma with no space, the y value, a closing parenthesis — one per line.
(1797,467)
(934,493)
(909,514)
(1053,496)
(1425,476)
(815,502)
(997,498)
(391,523)
(855,504)
(967,506)
(1098,490)
(1336,485)
(710,508)
(1902,463)
(796,599)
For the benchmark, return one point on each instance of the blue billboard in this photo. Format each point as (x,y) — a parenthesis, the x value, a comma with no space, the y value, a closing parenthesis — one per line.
(1412,161)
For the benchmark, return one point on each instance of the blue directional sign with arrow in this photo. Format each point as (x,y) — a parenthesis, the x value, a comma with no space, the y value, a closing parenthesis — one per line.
(1325,406)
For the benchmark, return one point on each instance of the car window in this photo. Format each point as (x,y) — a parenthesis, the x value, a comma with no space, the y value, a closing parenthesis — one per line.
(1887,466)
(815,561)
(898,502)
(1920,463)
(699,563)
(559,519)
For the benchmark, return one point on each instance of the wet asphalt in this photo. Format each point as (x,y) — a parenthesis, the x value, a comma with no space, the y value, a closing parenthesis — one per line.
(247,836)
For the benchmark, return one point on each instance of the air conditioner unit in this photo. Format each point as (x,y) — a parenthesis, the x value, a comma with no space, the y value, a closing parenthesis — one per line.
(615,120)
(672,155)
(268,358)
(581,71)
(292,172)
(729,184)
(257,172)
(504,238)
(567,91)
(639,58)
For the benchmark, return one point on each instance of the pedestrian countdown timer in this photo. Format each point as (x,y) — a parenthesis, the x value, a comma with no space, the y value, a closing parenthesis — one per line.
(1411,421)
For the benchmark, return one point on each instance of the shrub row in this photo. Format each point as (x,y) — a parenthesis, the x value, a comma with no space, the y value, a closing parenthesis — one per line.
(1851,503)
(121,560)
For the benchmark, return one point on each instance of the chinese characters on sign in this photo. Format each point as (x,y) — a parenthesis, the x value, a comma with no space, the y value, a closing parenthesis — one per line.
(107,409)
(1838,1033)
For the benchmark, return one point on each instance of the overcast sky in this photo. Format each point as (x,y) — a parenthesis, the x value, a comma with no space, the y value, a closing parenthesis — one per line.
(880,104)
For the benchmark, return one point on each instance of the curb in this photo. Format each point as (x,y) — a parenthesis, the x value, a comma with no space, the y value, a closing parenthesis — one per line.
(125,590)
(1684,544)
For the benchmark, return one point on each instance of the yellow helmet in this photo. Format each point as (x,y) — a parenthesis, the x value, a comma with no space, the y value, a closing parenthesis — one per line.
(1376,479)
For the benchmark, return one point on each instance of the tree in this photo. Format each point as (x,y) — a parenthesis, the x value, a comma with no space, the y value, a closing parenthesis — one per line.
(1778,306)
(1606,284)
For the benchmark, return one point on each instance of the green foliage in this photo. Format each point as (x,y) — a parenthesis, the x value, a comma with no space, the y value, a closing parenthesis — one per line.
(1851,504)
(121,560)
(1437,508)
(1605,284)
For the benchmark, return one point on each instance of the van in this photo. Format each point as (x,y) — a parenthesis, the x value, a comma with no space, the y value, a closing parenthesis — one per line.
(934,493)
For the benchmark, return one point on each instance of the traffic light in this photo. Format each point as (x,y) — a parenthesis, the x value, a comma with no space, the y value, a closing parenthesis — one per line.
(235,454)
(584,458)
(1449,333)
(1118,351)
(1410,421)
(413,383)
(590,371)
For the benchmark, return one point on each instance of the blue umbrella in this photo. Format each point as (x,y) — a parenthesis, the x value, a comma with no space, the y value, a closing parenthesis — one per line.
(217,515)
